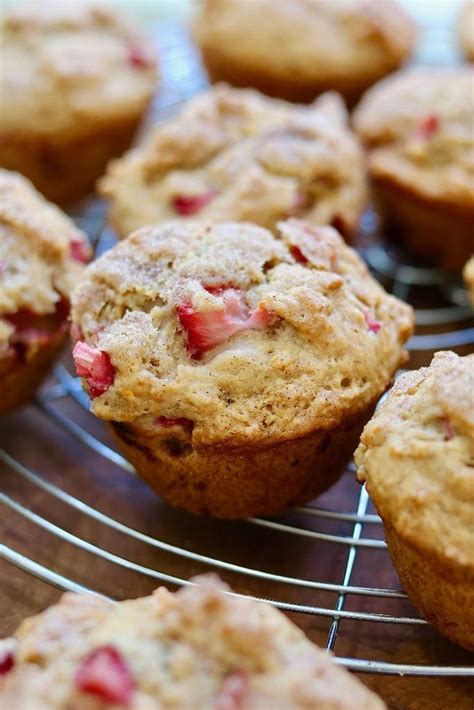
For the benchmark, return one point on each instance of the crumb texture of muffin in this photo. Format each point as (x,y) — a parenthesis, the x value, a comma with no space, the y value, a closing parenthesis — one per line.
(416,458)
(236,155)
(417,126)
(209,344)
(198,649)
(75,79)
(42,255)
(465,30)
(296,49)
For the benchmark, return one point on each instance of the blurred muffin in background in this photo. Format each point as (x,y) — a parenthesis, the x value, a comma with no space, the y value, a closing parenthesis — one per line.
(468,273)
(297,49)
(418,128)
(42,254)
(465,30)
(233,154)
(75,80)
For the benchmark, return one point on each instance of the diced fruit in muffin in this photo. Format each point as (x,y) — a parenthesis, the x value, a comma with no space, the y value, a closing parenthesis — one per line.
(416,458)
(417,126)
(199,649)
(75,79)
(43,255)
(237,155)
(274,362)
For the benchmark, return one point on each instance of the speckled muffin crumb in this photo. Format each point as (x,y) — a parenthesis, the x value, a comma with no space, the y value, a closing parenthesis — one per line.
(222,341)
(197,649)
(296,49)
(417,459)
(417,126)
(42,257)
(236,155)
(75,79)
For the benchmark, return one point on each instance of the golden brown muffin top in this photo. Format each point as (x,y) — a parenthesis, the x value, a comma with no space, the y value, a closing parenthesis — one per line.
(466,29)
(252,338)
(68,65)
(417,459)
(42,252)
(236,155)
(307,39)
(197,649)
(418,126)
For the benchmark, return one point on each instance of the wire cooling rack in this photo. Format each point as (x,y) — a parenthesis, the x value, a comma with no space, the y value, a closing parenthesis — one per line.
(329,543)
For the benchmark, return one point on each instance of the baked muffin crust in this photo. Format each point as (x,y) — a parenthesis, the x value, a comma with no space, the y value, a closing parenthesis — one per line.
(75,79)
(236,155)
(468,274)
(298,48)
(288,371)
(417,459)
(196,649)
(465,30)
(42,257)
(417,126)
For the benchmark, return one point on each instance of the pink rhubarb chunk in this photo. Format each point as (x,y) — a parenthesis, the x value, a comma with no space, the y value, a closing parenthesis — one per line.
(187,205)
(7,661)
(80,250)
(233,692)
(95,366)
(168,422)
(206,329)
(137,57)
(105,674)
(297,254)
(428,126)
(372,324)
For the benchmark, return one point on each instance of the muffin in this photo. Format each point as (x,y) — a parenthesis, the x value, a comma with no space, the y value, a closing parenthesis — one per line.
(417,127)
(468,273)
(236,155)
(297,49)
(465,30)
(237,369)
(75,80)
(197,649)
(42,255)
(416,458)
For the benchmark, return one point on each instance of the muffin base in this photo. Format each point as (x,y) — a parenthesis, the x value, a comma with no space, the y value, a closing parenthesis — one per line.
(226,482)
(439,233)
(445,601)
(20,380)
(66,169)
(296,89)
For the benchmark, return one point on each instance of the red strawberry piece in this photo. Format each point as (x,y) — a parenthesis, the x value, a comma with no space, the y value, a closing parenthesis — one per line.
(372,324)
(168,422)
(233,692)
(7,659)
(105,674)
(137,57)
(95,366)
(297,254)
(187,205)
(448,430)
(205,329)
(428,126)
(80,250)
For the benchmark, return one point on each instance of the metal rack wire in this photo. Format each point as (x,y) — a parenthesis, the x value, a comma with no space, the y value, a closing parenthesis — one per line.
(449,313)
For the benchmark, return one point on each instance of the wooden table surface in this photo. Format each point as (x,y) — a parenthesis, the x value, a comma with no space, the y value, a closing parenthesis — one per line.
(41,444)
